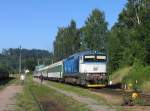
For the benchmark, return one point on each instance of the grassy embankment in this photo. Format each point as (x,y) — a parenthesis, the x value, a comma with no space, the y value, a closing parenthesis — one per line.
(139,77)
(118,76)
(37,97)
(130,75)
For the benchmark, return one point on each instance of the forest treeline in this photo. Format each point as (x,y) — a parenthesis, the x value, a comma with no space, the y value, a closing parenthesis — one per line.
(127,42)
(9,59)
(92,36)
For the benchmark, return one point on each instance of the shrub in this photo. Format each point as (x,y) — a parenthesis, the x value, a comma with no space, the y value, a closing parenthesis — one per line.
(137,76)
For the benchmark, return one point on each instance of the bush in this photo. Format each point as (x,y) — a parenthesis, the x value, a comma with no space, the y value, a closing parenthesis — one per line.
(137,76)
(3,73)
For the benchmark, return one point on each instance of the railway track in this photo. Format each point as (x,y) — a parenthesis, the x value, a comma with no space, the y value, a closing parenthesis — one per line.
(117,92)
(36,100)
(146,98)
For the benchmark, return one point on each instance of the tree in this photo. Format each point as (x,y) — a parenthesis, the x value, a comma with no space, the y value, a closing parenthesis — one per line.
(9,58)
(67,41)
(95,31)
(30,64)
(132,34)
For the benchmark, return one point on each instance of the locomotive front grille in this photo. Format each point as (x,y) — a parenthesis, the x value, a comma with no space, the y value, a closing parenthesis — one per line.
(96,76)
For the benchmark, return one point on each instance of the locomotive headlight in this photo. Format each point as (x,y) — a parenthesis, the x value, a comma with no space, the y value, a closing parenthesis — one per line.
(104,74)
(88,74)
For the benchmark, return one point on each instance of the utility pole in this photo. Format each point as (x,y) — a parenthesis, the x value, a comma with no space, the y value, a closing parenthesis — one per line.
(52,57)
(38,62)
(20,61)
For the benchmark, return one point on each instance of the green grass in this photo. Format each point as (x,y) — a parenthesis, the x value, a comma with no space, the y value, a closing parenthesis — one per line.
(86,93)
(118,75)
(52,100)
(80,91)
(49,99)
(139,77)
(62,102)
(25,100)
(146,87)
(129,75)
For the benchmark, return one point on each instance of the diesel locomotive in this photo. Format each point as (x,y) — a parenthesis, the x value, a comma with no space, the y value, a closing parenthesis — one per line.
(88,68)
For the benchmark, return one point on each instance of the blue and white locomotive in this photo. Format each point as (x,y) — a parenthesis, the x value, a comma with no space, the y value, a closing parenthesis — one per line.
(88,68)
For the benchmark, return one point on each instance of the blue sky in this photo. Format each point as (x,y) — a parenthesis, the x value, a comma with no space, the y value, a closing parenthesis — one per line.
(34,23)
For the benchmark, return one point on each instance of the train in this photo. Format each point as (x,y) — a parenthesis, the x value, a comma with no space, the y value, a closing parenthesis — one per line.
(4,74)
(87,68)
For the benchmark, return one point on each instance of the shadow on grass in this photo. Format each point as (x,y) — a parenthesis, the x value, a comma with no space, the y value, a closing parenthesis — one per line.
(114,86)
(51,105)
(6,81)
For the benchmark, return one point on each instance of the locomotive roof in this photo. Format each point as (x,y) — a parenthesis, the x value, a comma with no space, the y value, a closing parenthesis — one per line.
(51,65)
(85,53)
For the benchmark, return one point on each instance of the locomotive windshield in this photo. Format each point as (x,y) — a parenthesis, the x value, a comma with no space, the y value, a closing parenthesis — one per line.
(94,58)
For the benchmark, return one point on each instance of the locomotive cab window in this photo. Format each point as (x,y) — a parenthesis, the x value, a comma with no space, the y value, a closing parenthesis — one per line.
(94,58)
(101,58)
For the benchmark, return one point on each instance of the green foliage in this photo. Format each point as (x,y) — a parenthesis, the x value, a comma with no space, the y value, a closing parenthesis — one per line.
(3,70)
(30,64)
(129,39)
(119,75)
(146,87)
(92,36)
(138,73)
(9,59)
(95,31)
(67,41)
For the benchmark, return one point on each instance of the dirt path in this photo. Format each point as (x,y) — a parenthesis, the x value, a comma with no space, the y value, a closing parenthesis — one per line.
(7,97)
(89,102)
(117,100)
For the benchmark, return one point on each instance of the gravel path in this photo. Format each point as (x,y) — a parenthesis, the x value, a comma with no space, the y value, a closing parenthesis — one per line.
(91,103)
(7,97)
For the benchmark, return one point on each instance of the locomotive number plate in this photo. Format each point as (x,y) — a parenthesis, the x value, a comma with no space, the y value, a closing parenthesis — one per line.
(95,68)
